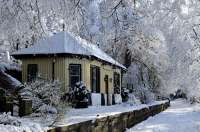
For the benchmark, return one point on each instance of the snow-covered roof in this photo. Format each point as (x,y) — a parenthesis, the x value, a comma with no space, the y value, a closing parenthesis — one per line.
(65,42)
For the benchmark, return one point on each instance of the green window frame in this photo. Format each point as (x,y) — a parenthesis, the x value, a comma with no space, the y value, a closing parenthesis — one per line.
(95,78)
(74,74)
(32,72)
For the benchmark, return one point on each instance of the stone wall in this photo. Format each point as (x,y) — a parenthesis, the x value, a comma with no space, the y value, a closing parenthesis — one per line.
(114,123)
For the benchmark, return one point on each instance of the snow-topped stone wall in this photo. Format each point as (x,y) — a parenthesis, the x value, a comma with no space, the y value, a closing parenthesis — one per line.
(117,122)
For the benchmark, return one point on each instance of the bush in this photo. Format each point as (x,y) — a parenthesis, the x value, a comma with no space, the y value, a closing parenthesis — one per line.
(43,93)
(194,100)
(124,94)
(172,96)
(180,94)
(80,95)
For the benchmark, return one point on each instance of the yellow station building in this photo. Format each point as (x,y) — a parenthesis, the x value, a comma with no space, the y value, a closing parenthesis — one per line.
(70,59)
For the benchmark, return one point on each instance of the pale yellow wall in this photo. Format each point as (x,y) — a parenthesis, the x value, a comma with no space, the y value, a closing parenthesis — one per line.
(45,68)
(105,70)
(62,70)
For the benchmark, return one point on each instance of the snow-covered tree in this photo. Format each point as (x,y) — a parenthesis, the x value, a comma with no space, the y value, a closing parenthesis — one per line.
(161,36)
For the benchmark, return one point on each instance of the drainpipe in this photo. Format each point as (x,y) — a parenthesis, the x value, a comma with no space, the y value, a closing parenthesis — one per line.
(53,69)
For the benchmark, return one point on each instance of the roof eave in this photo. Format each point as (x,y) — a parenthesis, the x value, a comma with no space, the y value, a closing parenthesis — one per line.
(21,56)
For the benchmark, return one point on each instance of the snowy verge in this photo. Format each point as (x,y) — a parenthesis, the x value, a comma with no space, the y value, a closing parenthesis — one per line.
(9,123)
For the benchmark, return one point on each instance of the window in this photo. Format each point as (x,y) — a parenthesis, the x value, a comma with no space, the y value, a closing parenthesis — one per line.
(95,79)
(116,83)
(32,72)
(74,74)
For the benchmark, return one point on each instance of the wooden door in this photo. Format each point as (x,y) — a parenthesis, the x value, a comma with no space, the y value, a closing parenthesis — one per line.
(106,89)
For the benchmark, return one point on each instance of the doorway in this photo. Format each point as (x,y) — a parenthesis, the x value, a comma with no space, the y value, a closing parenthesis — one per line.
(107,88)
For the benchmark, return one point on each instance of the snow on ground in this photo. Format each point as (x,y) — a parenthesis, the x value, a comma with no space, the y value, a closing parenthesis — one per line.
(37,123)
(10,128)
(93,112)
(79,115)
(180,117)
(10,123)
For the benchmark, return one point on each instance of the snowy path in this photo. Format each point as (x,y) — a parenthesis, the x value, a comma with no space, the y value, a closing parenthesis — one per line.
(180,117)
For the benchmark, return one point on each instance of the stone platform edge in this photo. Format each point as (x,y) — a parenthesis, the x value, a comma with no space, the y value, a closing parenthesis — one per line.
(114,123)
